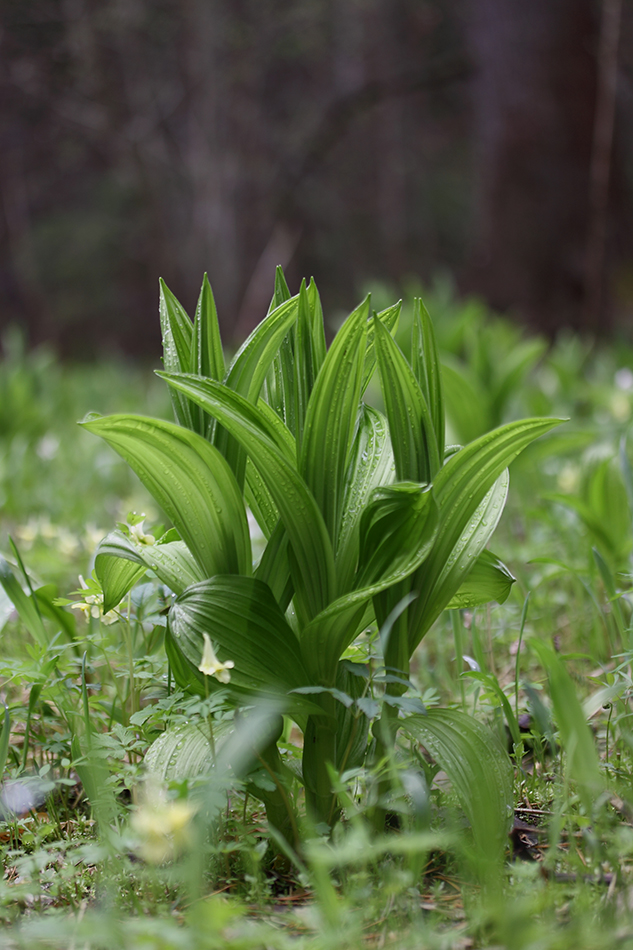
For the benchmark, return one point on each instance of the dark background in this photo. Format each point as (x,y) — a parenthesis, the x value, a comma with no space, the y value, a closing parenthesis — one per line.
(346,139)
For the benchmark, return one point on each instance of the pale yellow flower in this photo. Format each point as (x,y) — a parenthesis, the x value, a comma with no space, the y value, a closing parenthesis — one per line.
(163,828)
(92,606)
(211,666)
(137,534)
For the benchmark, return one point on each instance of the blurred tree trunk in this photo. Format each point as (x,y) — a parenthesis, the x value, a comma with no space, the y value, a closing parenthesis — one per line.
(534,95)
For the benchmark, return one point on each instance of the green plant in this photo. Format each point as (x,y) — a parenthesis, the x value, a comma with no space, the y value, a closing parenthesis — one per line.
(359,511)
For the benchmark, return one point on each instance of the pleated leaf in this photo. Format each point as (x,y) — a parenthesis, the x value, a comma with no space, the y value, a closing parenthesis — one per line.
(410,422)
(477,767)
(489,579)
(207,357)
(248,371)
(331,418)
(191,482)
(396,534)
(172,562)
(313,564)
(470,505)
(371,465)
(389,318)
(177,333)
(118,567)
(245,625)
(426,366)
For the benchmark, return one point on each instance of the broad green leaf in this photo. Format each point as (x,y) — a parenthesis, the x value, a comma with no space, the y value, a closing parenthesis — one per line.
(259,499)
(479,771)
(489,579)
(171,561)
(470,508)
(410,423)
(397,529)
(185,752)
(118,566)
(371,465)
(331,419)
(583,764)
(207,358)
(246,625)
(249,369)
(177,332)
(389,318)
(24,604)
(426,366)
(313,565)
(191,482)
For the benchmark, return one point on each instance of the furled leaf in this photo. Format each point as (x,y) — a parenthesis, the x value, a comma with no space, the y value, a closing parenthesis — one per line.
(171,561)
(410,423)
(426,366)
(371,465)
(177,331)
(489,579)
(191,482)
(117,576)
(389,318)
(331,419)
(207,358)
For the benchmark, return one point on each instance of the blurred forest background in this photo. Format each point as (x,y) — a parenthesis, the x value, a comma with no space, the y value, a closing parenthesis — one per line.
(345,139)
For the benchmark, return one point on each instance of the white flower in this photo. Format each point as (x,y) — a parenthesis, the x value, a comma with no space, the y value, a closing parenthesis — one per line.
(211,666)
(137,534)
(92,604)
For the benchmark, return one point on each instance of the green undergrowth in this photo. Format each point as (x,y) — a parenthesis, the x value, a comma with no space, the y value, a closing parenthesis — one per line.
(98,853)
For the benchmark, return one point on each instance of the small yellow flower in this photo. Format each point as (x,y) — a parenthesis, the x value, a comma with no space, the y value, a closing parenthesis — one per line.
(163,827)
(211,666)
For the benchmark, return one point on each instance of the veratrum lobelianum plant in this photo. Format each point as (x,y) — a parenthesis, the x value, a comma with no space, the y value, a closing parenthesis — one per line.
(359,510)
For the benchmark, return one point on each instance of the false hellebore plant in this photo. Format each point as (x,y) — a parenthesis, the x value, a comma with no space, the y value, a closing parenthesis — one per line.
(367,517)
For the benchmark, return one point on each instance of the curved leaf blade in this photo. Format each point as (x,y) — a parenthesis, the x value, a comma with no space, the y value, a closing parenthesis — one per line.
(478,768)
(191,482)
(246,625)
(466,497)
(313,568)
(488,580)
